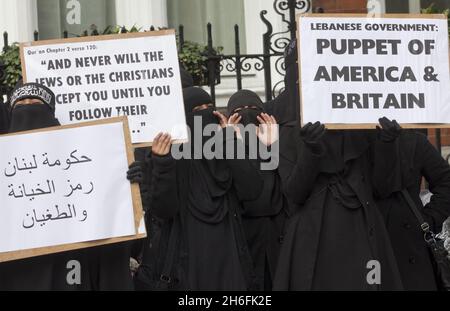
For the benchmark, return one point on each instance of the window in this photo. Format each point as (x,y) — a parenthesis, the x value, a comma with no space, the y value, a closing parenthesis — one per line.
(195,14)
(341,6)
(397,6)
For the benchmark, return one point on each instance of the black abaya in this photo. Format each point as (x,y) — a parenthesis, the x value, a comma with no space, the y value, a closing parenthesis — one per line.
(338,229)
(264,218)
(44,272)
(205,196)
(401,165)
(102,268)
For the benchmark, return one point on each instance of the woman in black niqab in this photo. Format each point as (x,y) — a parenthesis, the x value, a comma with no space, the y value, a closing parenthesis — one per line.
(264,218)
(33,107)
(202,196)
(337,231)
(102,268)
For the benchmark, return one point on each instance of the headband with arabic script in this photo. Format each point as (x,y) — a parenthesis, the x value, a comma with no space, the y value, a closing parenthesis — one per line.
(33,90)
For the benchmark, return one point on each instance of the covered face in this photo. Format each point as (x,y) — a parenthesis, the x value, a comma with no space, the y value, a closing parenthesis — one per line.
(247,104)
(32,107)
(197,102)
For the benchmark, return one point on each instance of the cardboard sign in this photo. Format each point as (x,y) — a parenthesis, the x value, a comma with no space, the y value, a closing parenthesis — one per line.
(355,69)
(135,75)
(65,188)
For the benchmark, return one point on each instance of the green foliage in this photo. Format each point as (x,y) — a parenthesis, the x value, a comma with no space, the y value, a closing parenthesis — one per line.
(110,30)
(192,57)
(433,10)
(10,60)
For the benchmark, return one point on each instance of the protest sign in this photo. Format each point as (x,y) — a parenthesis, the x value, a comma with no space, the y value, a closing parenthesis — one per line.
(65,188)
(135,75)
(355,69)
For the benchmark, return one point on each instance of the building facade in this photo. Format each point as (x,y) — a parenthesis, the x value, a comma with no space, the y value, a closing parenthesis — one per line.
(21,18)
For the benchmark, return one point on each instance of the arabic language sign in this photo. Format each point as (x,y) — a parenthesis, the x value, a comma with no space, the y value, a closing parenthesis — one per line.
(64,186)
(355,69)
(135,75)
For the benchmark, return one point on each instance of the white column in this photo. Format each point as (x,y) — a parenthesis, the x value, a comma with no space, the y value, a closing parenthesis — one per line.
(414,6)
(19,19)
(142,13)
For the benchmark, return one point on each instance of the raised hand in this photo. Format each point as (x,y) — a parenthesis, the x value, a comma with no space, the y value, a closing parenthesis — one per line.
(268,130)
(162,144)
(233,121)
(388,131)
(135,172)
(312,133)
(223,121)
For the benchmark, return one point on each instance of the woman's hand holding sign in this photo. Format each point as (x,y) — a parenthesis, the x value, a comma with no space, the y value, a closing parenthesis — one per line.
(388,131)
(162,144)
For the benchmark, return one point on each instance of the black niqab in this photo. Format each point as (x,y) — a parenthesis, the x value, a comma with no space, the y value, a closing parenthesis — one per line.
(209,180)
(208,218)
(341,147)
(246,98)
(32,117)
(264,218)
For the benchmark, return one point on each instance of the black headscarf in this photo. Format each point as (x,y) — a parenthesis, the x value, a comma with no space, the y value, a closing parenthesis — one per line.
(286,106)
(194,97)
(34,116)
(33,90)
(209,180)
(186,78)
(270,202)
(341,147)
(242,99)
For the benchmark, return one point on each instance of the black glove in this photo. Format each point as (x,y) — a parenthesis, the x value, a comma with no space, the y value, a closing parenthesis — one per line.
(311,134)
(389,130)
(135,173)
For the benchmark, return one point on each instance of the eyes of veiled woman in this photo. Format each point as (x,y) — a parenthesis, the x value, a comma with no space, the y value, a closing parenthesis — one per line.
(202,107)
(245,107)
(29,101)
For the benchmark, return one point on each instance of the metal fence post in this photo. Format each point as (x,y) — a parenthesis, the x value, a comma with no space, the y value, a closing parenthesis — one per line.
(5,41)
(237,46)
(266,50)
(181,37)
(211,65)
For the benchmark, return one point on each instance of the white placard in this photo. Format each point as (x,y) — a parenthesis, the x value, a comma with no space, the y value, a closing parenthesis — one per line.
(355,70)
(64,186)
(94,78)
